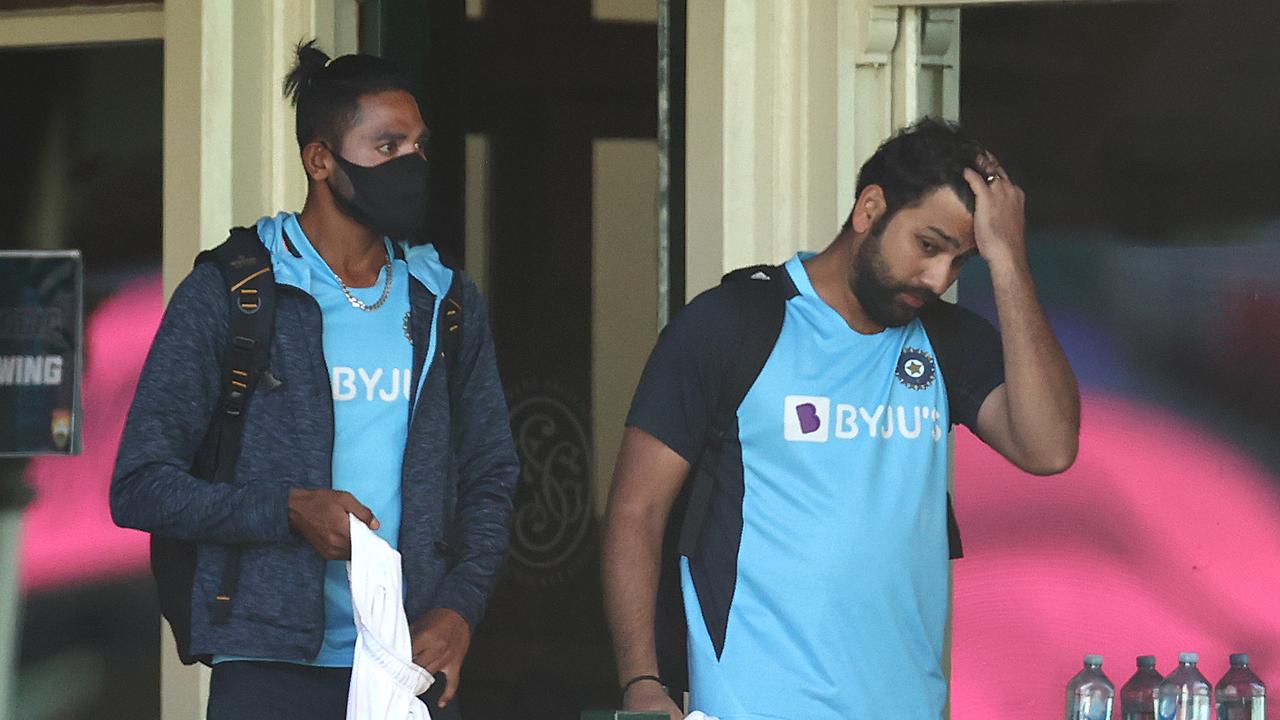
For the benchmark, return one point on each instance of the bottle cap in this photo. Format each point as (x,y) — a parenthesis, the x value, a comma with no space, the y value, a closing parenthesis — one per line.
(1188,658)
(1239,658)
(1092,659)
(1146,661)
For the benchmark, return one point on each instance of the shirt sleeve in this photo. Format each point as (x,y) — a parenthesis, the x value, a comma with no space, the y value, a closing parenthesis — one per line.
(971,358)
(676,398)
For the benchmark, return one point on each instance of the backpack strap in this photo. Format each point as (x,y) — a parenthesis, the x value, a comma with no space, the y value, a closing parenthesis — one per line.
(245,265)
(449,334)
(760,296)
(447,326)
(451,344)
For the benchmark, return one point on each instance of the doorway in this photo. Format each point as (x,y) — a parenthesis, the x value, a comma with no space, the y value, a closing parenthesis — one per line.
(544,165)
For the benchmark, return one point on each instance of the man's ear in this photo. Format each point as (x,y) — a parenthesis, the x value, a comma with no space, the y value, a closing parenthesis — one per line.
(869,208)
(317,160)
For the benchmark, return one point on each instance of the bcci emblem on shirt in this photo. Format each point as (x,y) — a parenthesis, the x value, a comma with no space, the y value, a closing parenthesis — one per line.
(916,368)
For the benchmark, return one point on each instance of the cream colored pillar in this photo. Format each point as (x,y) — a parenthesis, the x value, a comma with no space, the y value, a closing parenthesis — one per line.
(10,535)
(902,63)
(786,99)
(230,153)
(761,132)
(624,290)
(197,129)
(229,157)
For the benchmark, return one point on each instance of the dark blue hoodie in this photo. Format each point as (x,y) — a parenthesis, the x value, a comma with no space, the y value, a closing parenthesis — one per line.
(456,498)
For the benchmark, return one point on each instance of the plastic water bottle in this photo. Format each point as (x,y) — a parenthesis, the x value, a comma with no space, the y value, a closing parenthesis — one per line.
(1138,696)
(1241,695)
(1090,694)
(1184,695)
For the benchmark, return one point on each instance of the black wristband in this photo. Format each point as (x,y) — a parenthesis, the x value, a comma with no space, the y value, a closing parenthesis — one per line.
(627,686)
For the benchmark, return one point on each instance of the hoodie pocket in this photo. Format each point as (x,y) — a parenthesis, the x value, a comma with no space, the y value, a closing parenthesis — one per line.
(281,585)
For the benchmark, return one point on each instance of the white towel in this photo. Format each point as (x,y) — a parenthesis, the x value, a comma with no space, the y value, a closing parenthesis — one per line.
(698,715)
(385,683)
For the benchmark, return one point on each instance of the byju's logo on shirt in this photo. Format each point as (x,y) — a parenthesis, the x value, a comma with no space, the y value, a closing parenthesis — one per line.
(806,418)
(809,418)
(361,384)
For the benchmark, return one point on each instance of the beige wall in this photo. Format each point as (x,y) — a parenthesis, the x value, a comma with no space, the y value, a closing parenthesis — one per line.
(624,289)
(763,122)
(80,25)
(478,197)
(637,11)
(229,148)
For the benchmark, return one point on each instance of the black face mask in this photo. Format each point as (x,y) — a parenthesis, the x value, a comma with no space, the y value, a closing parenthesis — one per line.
(390,198)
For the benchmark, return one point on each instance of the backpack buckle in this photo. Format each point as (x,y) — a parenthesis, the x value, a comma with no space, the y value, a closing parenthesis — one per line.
(235,403)
(247,301)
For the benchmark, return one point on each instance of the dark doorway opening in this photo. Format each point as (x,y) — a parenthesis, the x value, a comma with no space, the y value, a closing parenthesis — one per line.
(518,96)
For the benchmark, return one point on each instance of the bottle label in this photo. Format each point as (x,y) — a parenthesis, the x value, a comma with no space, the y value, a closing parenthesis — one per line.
(1243,709)
(1179,707)
(1094,706)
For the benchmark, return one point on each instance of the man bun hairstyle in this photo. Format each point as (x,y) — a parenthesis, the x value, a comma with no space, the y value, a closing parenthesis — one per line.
(917,160)
(326,91)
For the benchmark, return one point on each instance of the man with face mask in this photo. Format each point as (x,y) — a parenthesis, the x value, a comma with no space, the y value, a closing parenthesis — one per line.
(354,417)
(818,588)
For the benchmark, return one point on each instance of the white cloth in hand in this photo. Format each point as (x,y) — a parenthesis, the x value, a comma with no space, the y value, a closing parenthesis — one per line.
(699,715)
(385,682)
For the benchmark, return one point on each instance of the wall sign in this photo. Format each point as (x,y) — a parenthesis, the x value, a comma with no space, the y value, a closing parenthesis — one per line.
(41,336)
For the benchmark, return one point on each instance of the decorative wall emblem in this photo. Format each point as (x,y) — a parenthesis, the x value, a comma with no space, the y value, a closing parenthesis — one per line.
(553,506)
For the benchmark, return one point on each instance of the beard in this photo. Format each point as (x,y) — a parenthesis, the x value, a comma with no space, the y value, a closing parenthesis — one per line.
(878,292)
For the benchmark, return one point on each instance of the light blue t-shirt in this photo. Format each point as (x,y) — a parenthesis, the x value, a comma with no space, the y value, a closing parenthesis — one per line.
(370,360)
(824,565)
(842,570)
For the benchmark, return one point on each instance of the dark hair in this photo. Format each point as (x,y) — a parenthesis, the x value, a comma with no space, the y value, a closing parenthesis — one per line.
(326,93)
(920,158)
